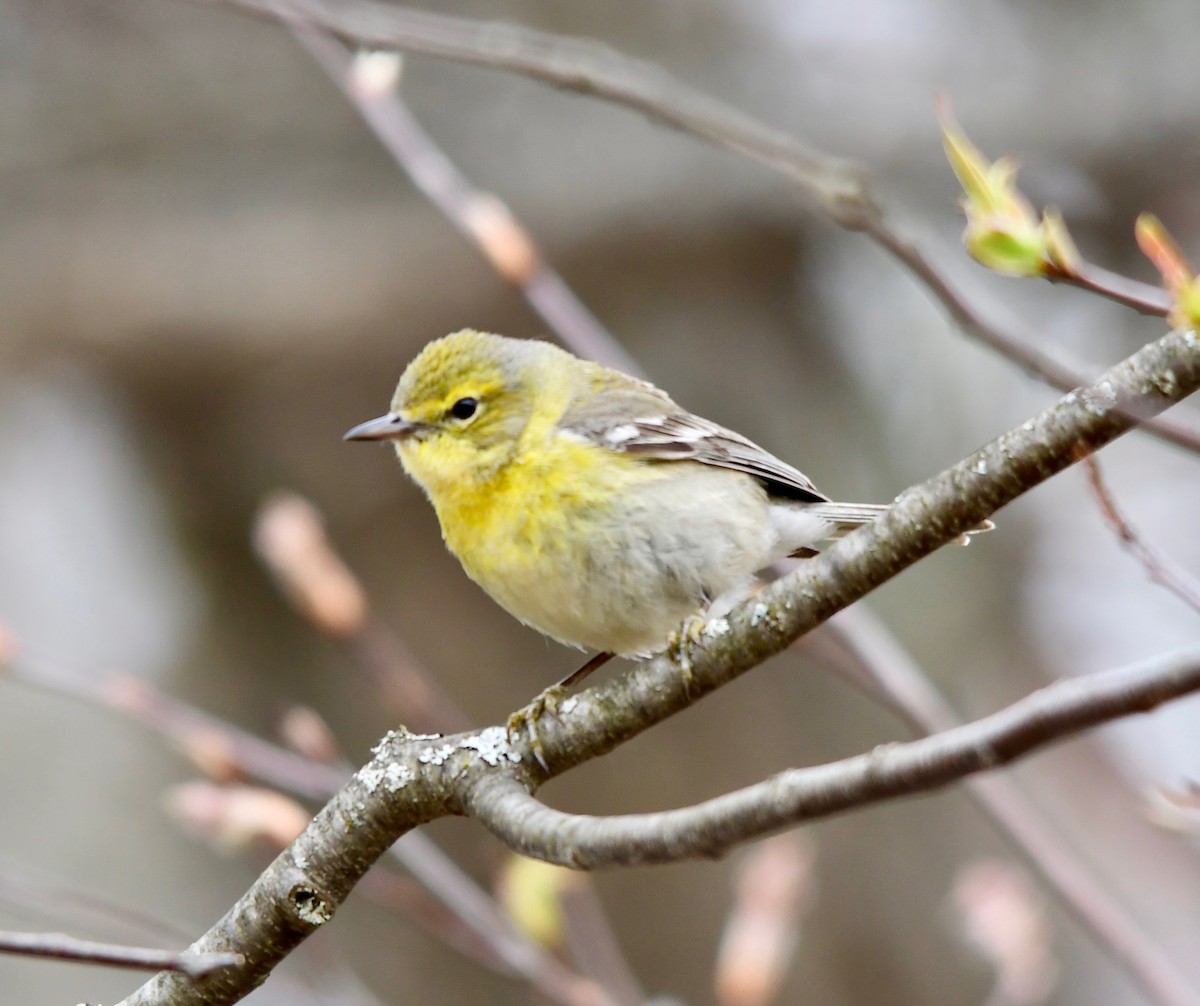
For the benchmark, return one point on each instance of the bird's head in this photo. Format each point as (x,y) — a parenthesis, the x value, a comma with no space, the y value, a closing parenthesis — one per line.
(464,403)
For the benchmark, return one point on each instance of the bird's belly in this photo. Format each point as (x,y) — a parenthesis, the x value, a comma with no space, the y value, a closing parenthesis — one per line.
(620,576)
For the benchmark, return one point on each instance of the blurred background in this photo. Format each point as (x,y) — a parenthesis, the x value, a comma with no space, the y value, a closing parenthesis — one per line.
(209,270)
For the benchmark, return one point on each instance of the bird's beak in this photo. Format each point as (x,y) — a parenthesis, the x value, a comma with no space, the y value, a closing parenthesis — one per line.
(389,427)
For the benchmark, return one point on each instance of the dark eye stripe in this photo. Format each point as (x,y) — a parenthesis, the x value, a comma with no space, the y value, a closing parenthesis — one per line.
(464,408)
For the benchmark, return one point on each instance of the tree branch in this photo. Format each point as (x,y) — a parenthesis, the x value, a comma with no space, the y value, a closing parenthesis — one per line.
(571,64)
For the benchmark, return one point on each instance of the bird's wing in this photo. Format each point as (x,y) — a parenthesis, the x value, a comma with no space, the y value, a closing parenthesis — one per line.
(635,417)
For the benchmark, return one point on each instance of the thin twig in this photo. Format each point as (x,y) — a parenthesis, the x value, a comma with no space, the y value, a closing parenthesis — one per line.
(572,64)
(1145,298)
(1157,566)
(53,900)
(69,948)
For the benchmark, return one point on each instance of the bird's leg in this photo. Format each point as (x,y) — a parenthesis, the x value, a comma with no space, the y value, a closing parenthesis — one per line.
(594,663)
(681,641)
(547,702)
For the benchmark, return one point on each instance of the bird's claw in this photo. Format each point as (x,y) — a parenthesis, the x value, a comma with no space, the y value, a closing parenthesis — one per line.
(680,644)
(528,717)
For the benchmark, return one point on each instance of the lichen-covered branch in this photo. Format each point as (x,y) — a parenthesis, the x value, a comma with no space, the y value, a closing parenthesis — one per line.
(714,827)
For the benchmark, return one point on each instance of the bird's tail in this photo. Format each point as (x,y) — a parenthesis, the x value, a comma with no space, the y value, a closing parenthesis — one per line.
(847,516)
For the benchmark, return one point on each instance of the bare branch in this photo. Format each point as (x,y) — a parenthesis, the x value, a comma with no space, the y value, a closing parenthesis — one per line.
(479,216)
(289,537)
(69,948)
(1157,566)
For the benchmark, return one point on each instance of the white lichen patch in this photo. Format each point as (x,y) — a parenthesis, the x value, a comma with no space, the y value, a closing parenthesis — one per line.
(392,776)
(1102,398)
(491,745)
(436,755)
(980,467)
(715,628)
(567,706)
(759,613)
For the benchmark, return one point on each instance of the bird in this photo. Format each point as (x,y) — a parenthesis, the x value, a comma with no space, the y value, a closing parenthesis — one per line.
(586,502)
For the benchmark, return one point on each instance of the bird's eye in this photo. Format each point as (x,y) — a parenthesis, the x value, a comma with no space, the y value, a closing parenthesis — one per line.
(464,408)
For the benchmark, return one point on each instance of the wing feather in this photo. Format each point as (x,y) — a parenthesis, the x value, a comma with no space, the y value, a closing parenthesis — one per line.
(634,417)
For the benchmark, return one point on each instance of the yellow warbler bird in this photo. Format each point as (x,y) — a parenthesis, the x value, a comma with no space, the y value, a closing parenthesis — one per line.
(586,502)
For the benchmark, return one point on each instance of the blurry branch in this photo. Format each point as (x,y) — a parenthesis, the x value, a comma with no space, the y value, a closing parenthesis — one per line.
(1002,916)
(901,684)
(596,70)
(773,891)
(289,536)
(68,948)
(1156,565)
(572,64)
(46,897)
(1141,297)
(220,749)
(290,539)
(489,775)
(369,81)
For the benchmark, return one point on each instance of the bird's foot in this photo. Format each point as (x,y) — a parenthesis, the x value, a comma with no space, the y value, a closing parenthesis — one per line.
(682,641)
(528,719)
